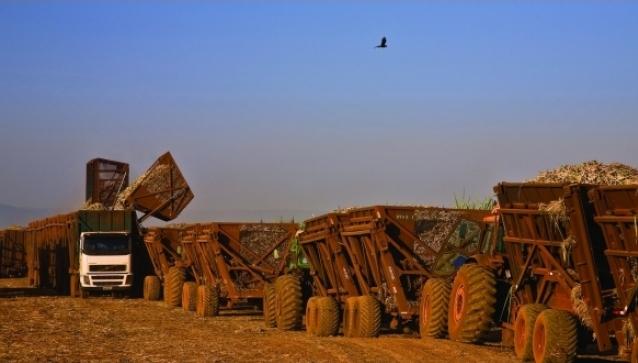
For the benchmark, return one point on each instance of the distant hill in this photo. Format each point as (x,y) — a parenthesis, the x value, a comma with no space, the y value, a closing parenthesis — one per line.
(10,215)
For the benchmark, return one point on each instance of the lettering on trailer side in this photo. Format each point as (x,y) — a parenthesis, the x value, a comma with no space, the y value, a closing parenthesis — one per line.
(345,274)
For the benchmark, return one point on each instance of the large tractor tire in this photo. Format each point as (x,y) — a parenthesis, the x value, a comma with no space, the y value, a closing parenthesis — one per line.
(288,303)
(555,338)
(472,303)
(152,286)
(369,316)
(207,301)
(173,287)
(524,330)
(312,313)
(435,297)
(362,317)
(327,318)
(270,317)
(351,317)
(189,296)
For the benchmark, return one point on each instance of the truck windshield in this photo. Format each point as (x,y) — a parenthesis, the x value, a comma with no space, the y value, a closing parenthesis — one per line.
(106,244)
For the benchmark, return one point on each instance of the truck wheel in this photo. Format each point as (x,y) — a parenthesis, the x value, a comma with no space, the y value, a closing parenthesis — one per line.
(311,315)
(189,296)
(435,297)
(288,304)
(327,317)
(207,301)
(369,316)
(555,337)
(151,288)
(84,293)
(524,329)
(472,301)
(351,317)
(173,286)
(270,318)
(74,285)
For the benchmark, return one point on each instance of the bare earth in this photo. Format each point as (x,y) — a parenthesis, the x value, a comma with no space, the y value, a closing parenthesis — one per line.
(105,329)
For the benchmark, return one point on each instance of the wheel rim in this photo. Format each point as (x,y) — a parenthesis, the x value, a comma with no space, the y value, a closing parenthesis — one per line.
(355,320)
(519,335)
(424,311)
(539,340)
(346,321)
(200,303)
(311,317)
(459,302)
(351,319)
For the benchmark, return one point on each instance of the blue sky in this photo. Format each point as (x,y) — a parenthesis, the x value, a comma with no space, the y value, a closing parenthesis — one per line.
(287,107)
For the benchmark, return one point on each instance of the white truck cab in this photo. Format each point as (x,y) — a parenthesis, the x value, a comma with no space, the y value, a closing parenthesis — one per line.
(105,261)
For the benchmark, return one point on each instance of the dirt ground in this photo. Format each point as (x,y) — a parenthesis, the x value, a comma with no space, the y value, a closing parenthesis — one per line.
(106,329)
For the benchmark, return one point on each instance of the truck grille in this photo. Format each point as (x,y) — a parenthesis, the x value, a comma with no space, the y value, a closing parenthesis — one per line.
(107,268)
(108,277)
(107,283)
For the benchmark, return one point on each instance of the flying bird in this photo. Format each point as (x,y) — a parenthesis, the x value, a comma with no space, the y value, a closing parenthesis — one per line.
(383,43)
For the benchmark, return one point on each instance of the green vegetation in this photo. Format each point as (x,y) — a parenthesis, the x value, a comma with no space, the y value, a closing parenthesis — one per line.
(466,202)
(297,259)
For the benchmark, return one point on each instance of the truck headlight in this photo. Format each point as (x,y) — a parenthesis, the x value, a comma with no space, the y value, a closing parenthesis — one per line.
(86,279)
(129,280)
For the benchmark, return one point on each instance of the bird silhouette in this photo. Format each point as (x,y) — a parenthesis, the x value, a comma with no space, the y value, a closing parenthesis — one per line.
(383,43)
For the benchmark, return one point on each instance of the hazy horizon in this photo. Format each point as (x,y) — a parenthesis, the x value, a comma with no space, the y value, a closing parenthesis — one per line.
(289,107)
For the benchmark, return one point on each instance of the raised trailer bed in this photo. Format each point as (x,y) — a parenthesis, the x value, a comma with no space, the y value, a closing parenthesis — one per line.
(383,266)
(559,272)
(161,192)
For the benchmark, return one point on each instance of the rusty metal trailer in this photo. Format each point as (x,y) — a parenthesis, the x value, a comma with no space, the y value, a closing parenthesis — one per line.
(165,251)
(231,265)
(387,265)
(555,252)
(12,253)
(616,211)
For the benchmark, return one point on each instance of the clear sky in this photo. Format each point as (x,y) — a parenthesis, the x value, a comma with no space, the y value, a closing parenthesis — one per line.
(288,107)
